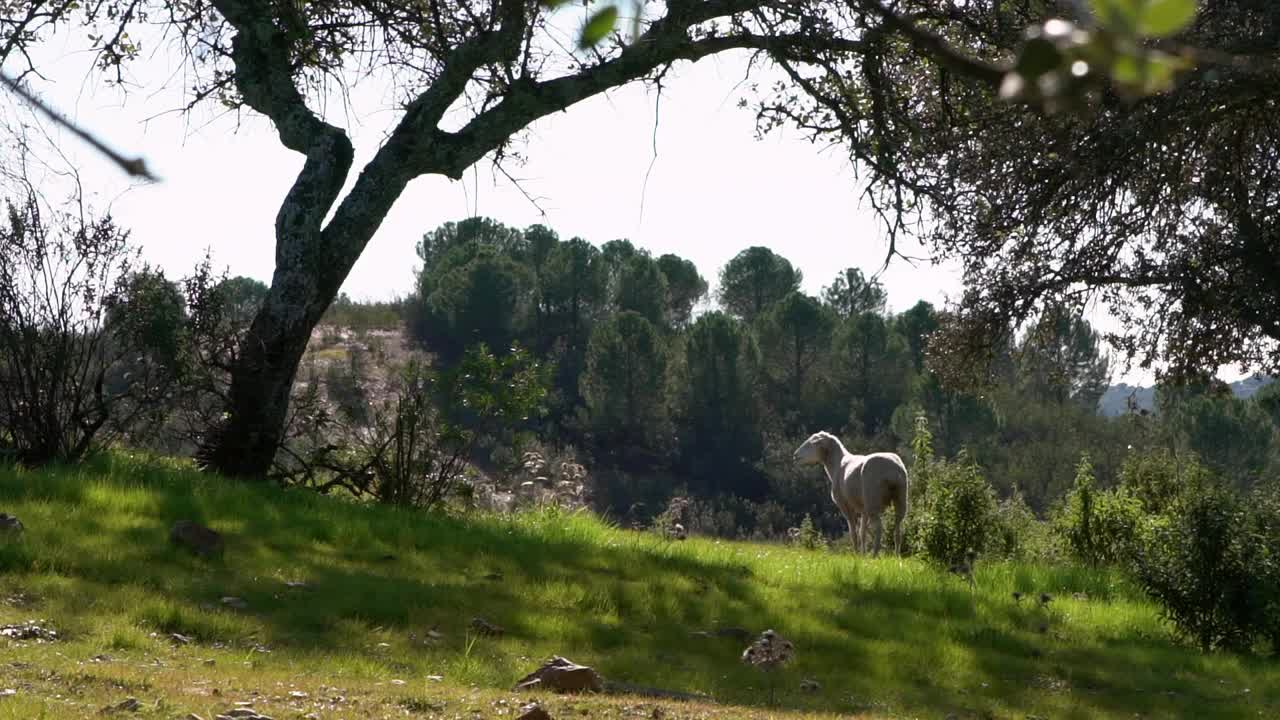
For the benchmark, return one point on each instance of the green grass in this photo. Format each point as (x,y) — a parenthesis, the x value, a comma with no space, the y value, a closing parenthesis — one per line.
(887,637)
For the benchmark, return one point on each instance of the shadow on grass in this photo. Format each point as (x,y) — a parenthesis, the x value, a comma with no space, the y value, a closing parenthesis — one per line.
(561,585)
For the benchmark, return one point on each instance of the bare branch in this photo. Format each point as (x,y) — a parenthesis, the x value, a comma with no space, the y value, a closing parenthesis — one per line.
(136,167)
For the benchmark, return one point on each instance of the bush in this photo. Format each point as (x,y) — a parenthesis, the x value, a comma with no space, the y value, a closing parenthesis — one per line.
(416,446)
(806,535)
(959,514)
(1099,527)
(1019,534)
(73,363)
(1212,571)
(1156,478)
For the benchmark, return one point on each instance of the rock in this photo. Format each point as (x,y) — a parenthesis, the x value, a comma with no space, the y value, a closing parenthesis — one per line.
(768,651)
(179,639)
(296,584)
(126,705)
(29,630)
(235,602)
(486,628)
(810,685)
(493,576)
(562,675)
(533,711)
(9,523)
(197,538)
(242,713)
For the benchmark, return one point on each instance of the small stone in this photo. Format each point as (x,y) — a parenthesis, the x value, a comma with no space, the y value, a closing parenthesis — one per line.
(192,716)
(486,628)
(297,694)
(810,685)
(296,584)
(397,682)
(533,711)
(197,538)
(209,662)
(235,602)
(179,639)
(9,523)
(436,678)
(126,705)
(6,692)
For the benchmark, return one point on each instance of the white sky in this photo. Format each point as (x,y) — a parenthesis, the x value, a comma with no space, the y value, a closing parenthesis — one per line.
(713,191)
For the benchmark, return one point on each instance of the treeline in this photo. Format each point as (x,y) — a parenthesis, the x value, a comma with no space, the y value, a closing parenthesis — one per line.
(668,400)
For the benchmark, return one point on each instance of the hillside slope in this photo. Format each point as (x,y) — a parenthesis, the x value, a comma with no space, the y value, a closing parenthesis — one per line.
(380,624)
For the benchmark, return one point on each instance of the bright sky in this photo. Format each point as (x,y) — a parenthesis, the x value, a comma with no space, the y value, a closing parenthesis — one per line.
(713,190)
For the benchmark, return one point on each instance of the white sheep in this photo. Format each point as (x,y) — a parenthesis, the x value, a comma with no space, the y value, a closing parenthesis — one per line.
(862,486)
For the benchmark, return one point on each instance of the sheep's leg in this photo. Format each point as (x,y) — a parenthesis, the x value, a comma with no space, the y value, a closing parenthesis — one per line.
(876,527)
(855,532)
(899,515)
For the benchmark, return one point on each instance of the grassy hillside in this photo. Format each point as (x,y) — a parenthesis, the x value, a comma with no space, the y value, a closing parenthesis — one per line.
(888,637)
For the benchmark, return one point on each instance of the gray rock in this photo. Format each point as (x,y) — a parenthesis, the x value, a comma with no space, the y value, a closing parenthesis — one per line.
(533,711)
(196,538)
(562,675)
(126,705)
(9,523)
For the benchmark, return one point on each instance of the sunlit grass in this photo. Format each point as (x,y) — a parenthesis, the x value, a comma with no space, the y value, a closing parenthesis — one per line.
(887,637)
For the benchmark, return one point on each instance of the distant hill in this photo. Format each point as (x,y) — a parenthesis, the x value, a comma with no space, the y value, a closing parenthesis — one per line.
(1115,400)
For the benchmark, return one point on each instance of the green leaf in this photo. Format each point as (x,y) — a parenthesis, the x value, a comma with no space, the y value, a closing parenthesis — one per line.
(600,25)
(1118,15)
(1162,18)
(1146,74)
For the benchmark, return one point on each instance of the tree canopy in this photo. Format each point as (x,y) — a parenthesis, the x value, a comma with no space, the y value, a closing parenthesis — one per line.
(1137,198)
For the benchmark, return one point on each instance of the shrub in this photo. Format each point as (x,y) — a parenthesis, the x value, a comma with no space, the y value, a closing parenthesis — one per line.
(1156,478)
(346,385)
(1099,527)
(417,443)
(958,518)
(71,369)
(1019,534)
(806,535)
(1212,571)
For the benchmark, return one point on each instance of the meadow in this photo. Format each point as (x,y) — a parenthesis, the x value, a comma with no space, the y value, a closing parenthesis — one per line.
(354,610)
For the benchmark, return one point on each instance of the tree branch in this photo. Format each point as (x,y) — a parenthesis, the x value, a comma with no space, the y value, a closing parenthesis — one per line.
(264,77)
(935,46)
(136,167)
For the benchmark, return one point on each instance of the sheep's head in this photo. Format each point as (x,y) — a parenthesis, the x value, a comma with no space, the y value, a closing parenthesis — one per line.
(816,449)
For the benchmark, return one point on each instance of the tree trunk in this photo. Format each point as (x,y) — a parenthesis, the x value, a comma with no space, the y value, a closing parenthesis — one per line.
(245,444)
